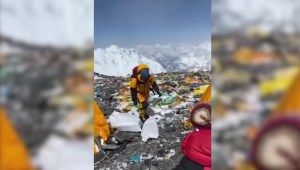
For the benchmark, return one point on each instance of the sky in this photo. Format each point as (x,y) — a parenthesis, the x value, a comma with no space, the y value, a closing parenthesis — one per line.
(128,23)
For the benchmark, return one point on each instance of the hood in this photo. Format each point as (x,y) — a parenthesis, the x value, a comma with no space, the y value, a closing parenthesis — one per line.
(201,105)
(142,66)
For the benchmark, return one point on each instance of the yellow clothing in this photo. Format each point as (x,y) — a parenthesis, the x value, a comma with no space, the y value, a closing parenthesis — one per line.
(142,88)
(13,153)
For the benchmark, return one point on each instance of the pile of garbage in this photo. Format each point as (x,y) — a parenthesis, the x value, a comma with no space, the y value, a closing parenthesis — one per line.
(48,97)
(156,144)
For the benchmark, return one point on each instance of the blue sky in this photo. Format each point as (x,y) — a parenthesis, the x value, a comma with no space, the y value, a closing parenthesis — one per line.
(128,23)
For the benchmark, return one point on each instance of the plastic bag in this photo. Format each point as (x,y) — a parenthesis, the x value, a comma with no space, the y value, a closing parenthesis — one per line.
(150,129)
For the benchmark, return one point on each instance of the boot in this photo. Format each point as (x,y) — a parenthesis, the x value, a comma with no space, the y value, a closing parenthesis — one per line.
(143,115)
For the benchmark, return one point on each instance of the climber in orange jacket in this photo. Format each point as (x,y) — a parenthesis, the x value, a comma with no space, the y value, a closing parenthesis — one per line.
(140,85)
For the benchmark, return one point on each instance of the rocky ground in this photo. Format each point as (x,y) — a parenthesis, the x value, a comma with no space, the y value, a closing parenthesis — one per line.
(113,95)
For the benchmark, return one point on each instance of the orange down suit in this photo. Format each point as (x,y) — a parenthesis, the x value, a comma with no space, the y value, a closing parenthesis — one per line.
(142,89)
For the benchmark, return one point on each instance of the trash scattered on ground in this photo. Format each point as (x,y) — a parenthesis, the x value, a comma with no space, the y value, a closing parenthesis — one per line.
(166,114)
(135,159)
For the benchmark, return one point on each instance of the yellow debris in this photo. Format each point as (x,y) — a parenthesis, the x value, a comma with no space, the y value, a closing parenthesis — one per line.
(187,124)
(201,90)
(191,80)
(281,81)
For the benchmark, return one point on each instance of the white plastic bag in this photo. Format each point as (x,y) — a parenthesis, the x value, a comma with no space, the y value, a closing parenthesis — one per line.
(150,129)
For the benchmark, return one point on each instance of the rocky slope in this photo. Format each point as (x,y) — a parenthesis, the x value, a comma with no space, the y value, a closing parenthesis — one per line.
(113,95)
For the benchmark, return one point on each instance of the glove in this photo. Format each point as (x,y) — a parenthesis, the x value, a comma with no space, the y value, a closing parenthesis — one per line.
(134,103)
(159,94)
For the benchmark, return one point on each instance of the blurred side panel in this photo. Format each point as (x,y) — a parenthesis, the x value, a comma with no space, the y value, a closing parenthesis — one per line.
(47,81)
(256,57)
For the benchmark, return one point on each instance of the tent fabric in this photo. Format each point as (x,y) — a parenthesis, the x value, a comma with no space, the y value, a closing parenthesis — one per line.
(101,127)
(206,97)
(13,153)
(290,103)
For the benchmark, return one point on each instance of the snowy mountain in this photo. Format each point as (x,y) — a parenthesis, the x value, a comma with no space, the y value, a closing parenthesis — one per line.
(179,57)
(56,22)
(116,61)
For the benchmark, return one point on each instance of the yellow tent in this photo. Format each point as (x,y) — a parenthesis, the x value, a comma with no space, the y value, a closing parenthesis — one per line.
(290,103)
(206,97)
(13,153)
(101,127)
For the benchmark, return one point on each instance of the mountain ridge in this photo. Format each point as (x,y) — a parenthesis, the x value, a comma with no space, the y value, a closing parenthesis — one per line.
(111,61)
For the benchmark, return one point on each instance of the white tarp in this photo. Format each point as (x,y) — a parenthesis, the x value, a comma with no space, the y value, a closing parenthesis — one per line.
(125,122)
(150,129)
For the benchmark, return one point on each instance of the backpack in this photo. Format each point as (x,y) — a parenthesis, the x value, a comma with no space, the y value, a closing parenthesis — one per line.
(134,72)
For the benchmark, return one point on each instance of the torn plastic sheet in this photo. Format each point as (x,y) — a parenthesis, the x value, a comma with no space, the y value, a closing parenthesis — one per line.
(125,122)
(150,129)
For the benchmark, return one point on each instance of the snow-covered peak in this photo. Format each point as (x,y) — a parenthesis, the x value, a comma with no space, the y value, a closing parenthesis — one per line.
(112,48)
(117,61)
(179,57)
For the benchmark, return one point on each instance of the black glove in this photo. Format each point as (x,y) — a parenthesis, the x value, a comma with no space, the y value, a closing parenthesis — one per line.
(159,94)
(156,89)
(134,96)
